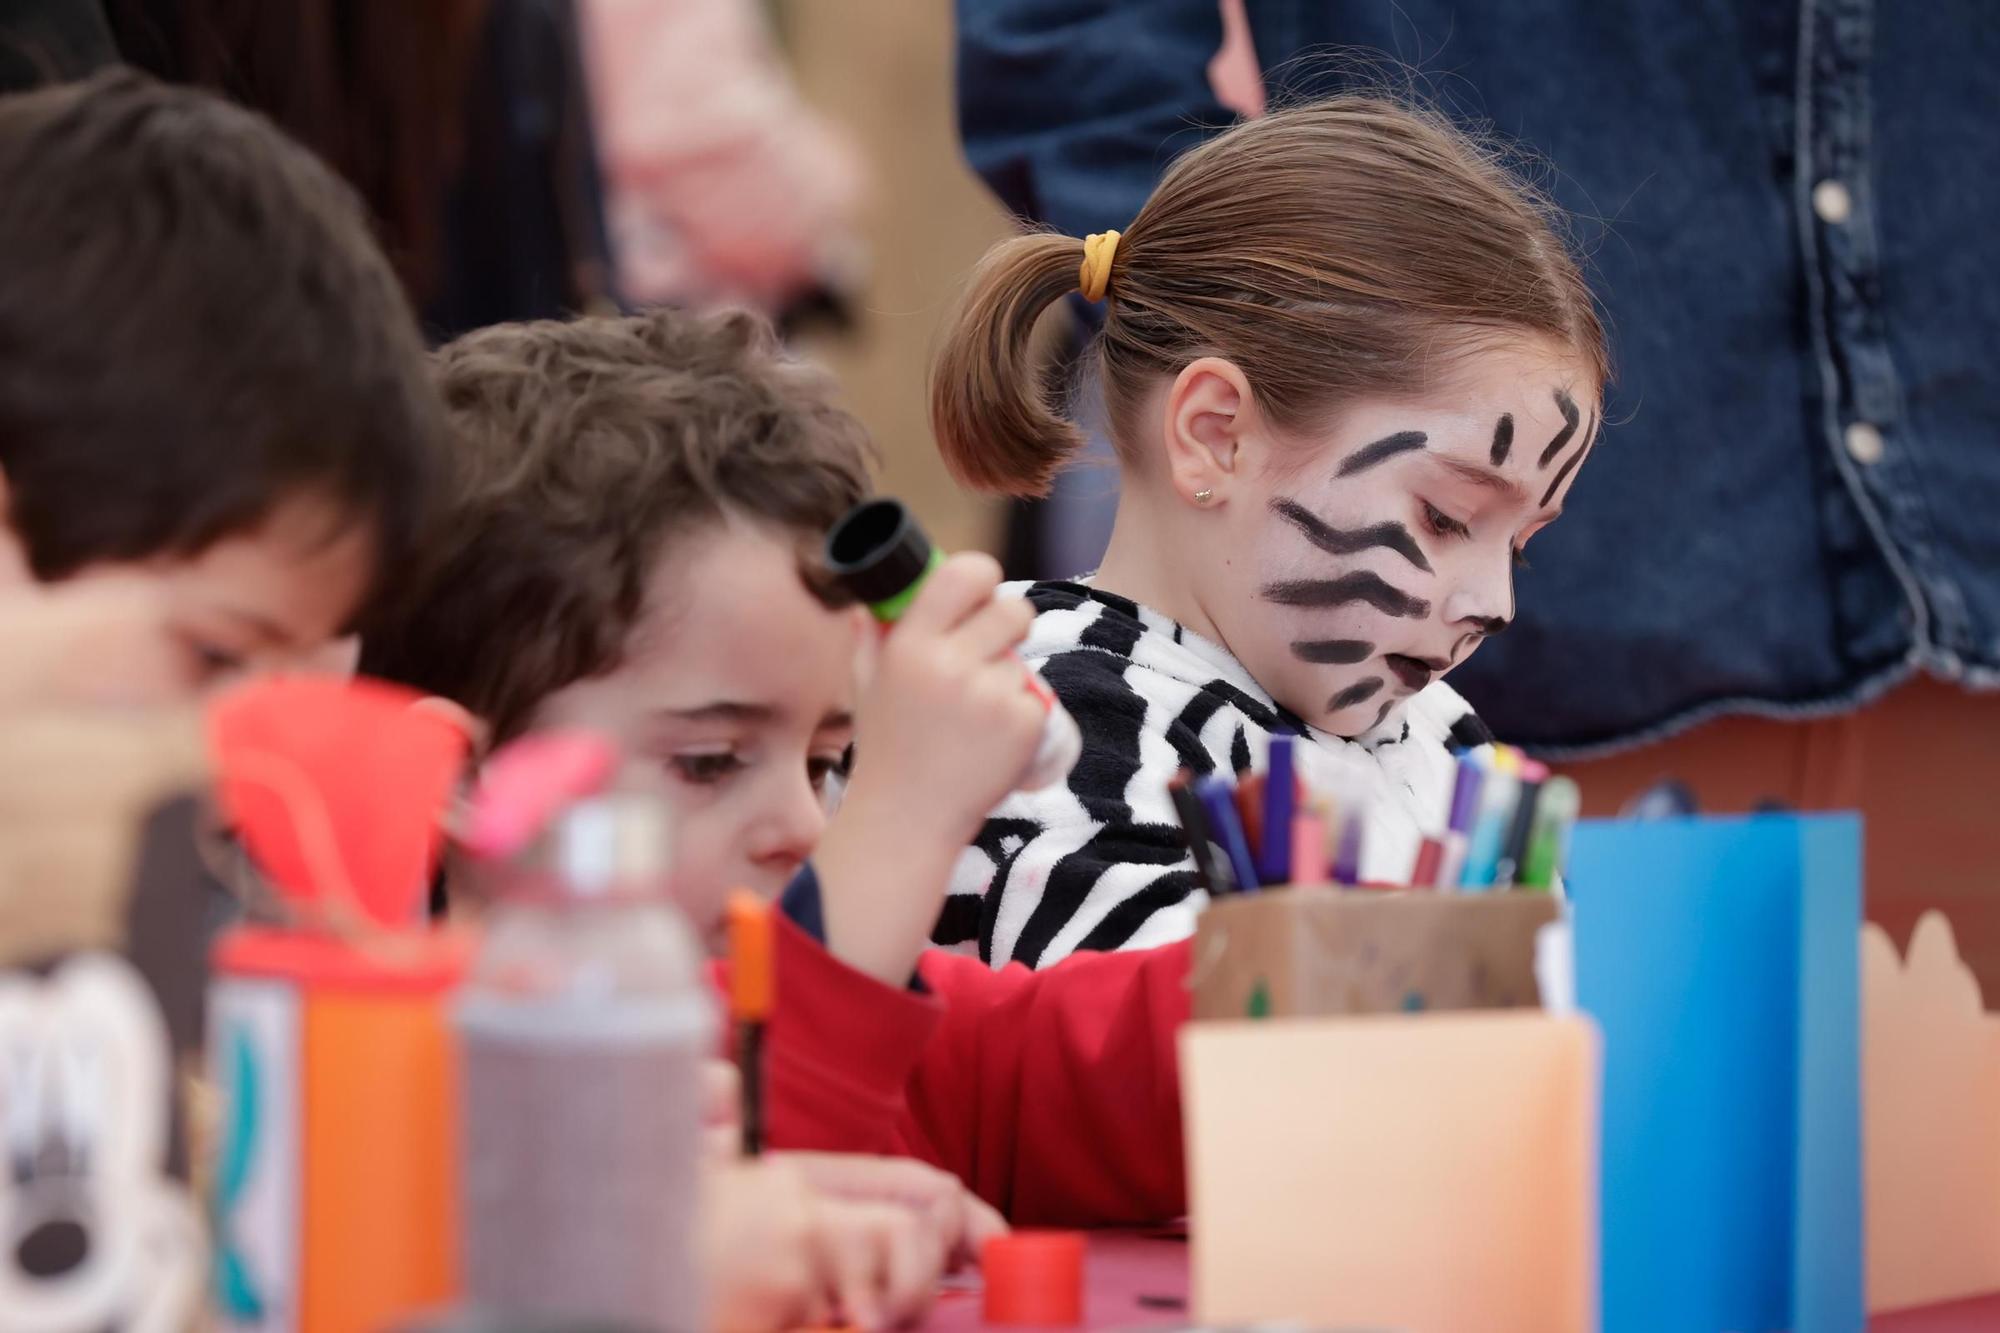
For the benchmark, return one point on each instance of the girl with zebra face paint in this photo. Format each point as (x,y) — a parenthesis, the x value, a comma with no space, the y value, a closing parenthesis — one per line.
(1350,370)
(1383,557)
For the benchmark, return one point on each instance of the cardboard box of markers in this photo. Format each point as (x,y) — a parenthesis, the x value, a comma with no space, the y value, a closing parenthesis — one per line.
(1322,950)
(1288,934)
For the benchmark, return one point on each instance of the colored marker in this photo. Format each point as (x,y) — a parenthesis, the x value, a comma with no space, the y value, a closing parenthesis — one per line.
(881,556)
(1548,845)
(1218,802)
(1514,848)
(753,991)
(1489,829)
(1211,871)
(1353,840)
(1458,826)
(1308,848)
(1430,858)
(1249,799)
(1274,861)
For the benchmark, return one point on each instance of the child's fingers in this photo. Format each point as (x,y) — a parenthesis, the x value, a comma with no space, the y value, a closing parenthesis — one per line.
(957,588)
(855,1261)
(982,1223)
(915,1261)
(997,628)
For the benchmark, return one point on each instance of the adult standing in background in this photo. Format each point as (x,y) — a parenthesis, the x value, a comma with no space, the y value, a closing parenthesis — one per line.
(1782,579)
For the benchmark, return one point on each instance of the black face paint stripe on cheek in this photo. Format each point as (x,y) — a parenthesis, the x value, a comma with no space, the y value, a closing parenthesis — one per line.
(1567,468)
(1333,652)
(1383,712)
(1337,541)
(1368,455)
(1571,416)
(1359,693)
(1503,438)
(1357,587)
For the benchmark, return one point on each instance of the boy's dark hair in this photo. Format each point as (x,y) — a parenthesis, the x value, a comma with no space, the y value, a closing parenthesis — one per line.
(195,326)
(585,452)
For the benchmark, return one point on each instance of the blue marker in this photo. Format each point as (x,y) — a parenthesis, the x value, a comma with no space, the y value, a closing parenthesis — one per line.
(1458,828)
(1218,799)
(1497,800)
(1274,858)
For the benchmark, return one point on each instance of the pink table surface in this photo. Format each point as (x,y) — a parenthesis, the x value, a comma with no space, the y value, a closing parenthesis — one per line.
(1141,1281)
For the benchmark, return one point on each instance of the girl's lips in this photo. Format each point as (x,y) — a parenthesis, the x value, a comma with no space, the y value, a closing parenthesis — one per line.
(1413,672)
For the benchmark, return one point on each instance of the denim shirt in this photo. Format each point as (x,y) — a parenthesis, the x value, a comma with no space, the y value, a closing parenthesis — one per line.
(1786,210)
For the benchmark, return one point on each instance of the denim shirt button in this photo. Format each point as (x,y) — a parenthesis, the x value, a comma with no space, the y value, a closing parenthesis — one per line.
(1864,444)
(1832,201)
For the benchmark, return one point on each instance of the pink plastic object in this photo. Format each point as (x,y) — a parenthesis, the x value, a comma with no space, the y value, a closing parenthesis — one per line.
(337,788)
(523,786)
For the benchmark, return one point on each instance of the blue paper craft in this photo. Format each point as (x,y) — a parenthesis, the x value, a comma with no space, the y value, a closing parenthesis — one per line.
(1720,959)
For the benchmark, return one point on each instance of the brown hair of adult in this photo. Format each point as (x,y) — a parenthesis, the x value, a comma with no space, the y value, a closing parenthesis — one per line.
(195,326)
(1334,250)
(587,452)
(377,90)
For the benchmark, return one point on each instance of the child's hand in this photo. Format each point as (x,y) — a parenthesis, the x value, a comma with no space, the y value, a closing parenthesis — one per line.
(947,726)
(947,722)
(781,1255)
(962,1221)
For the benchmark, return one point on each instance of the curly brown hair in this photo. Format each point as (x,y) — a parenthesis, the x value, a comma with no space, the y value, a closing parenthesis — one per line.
(586,451)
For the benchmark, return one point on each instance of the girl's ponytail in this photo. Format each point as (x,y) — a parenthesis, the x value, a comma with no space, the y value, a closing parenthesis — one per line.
(990,409)
(1334,251)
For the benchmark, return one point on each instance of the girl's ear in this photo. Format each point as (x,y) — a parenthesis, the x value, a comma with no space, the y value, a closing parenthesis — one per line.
(1210,417)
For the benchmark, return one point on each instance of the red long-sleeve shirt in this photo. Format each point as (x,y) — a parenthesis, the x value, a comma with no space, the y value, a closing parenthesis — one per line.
(1055,1095)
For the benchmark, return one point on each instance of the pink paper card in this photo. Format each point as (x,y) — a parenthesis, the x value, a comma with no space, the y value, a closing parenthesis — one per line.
(1430,1173)
(1930,1089)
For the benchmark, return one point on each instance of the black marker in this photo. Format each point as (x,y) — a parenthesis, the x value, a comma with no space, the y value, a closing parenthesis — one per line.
(1211,870)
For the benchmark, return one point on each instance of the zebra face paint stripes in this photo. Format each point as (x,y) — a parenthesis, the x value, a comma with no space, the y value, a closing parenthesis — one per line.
(1333,652)
(1567,406)
(1576,461)
(1335,541)
(1360,586)
(1368,455)
(1362,556)
(1358,693)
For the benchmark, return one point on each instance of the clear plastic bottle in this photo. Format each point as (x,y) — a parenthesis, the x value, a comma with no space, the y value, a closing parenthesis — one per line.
(582,1030)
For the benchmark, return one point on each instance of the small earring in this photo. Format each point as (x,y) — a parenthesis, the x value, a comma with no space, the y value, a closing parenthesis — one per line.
(1202,497)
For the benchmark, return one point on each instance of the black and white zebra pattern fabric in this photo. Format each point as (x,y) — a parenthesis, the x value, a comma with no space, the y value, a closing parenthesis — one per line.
(1098,863)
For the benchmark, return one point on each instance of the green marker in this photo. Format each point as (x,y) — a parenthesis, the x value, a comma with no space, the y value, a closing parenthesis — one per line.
(1548,837)
(881,556)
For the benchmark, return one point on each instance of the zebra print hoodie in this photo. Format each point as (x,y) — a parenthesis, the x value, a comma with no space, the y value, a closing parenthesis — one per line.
(1098,863)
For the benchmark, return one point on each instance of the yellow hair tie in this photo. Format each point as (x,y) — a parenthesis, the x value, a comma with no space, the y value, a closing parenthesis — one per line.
(1094,278)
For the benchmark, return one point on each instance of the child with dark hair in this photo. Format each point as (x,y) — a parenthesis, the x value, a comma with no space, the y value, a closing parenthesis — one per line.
(211,386)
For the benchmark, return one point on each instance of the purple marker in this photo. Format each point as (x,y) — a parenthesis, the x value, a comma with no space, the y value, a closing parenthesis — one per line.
(1347,856)
(1458,829)
(1274,857)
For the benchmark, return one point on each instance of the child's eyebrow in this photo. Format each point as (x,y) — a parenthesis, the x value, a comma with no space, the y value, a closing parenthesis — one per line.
(723,710)
(1486,477)
(270,631)
(837,721)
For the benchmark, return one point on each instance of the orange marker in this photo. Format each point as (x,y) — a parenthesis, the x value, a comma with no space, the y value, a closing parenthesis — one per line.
(753,991)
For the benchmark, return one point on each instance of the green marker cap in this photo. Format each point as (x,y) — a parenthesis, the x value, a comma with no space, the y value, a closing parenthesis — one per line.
(879,554)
